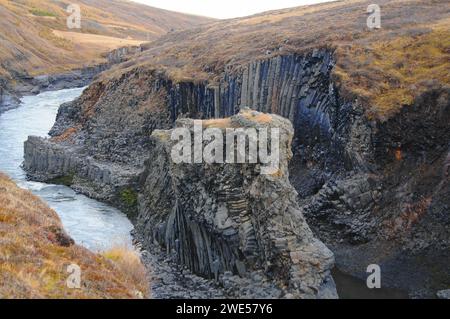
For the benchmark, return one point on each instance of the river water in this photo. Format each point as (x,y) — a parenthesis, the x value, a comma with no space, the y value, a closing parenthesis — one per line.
(90,223)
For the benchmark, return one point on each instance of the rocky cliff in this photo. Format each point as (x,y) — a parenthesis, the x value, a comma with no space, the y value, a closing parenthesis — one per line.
(7,100)
(222,220)
(373,186)
(393,209)
(87,128)
(345,167)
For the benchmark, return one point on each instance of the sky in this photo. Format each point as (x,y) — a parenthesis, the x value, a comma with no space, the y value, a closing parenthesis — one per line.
(225,9)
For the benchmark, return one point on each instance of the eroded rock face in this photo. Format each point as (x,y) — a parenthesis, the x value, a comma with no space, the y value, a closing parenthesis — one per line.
(391,208)
(103,137)
(7,100)
(368,189)
(222,220)
(68,164)
(112,121)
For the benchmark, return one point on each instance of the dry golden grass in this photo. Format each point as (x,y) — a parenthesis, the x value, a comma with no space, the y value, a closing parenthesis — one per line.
(29,44)
(95,42)
(217,123)
(257,117)
(35,252)
(228,122)
(66,135)
(383,68)
(129,263)
(390,74)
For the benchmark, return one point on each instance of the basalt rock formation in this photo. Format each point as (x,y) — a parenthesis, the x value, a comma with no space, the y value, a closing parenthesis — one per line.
(232,219)
(373,186)
(7,99)
(346,168)
(105,126)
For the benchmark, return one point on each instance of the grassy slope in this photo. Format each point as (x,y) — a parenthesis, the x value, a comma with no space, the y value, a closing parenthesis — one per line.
(35,253)
(384,68)
(29,43)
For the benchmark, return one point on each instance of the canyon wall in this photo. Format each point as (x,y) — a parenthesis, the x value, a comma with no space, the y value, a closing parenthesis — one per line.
(7,100)
(230,220)
(112,121)
(368,189)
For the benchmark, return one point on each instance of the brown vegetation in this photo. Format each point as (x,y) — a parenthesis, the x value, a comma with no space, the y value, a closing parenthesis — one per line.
(35,38)
(35,252)
(383,68)
(410,215)
(217,123)
(228,122)
(129,263)
(66,135)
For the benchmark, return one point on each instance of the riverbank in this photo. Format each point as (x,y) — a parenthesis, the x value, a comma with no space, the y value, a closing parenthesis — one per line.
(10,94)
(90,223)
(12,90)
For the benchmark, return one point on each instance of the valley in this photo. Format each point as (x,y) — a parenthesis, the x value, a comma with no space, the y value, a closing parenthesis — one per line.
(363,175)
(38,43)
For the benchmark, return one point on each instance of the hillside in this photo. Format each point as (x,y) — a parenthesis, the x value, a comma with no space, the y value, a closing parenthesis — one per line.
(35,38)
(35,253)
(384,68)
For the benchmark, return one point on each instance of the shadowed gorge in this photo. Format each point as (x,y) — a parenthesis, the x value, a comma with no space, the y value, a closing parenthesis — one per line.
(364,159)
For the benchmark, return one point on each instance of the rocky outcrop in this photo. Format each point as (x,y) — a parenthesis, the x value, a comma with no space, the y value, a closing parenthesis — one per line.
(122,54)
(393,210)
(7,100)
(361,183)
(144,99)
(443,294)
(66,164)
(225,220)
(394,174)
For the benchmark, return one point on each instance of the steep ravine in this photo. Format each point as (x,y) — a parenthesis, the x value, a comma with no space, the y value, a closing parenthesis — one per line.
(373,192)
(112,122)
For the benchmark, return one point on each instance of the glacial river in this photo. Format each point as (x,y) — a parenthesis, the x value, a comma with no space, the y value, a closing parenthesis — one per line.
(90,223)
